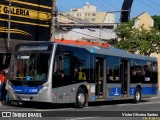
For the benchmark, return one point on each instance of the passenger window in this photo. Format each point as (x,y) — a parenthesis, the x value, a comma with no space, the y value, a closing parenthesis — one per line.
(69,60)
(81,65)
(113,69)
(149,72)
(135,71)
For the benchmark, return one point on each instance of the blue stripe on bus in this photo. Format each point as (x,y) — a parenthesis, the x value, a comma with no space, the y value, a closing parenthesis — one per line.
(115,92)
(26,90)
(145,90)
(132,89)
(149,90)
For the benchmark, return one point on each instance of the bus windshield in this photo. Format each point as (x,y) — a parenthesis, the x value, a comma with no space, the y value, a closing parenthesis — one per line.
(30,66)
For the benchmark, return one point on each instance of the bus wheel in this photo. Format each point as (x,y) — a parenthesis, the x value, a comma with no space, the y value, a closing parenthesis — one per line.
(137,95)
(81,98)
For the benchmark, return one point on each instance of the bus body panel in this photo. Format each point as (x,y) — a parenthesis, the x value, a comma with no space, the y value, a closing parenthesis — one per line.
(113,90)
(66,94)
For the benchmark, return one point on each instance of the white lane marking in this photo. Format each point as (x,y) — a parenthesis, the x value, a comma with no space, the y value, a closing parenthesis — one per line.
(125,104)
(138,104)
(88,107)
(107,106)
(56,109)
(155,97)
(82,118)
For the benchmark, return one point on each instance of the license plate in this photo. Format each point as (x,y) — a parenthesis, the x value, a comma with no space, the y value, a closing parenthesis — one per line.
(25,99)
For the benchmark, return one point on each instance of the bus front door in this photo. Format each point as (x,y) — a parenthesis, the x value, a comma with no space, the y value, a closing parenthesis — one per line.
(125,78)
(100,77)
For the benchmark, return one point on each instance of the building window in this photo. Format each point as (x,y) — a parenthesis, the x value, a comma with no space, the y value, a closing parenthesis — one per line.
(136,24)
(93,19)
(93,14)
(78,14)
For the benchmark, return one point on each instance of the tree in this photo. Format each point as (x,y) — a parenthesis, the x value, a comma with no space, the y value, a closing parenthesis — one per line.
(156,21)
(138,39)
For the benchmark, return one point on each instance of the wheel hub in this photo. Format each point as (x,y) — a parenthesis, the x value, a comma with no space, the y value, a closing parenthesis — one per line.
(81,98)
(137,95)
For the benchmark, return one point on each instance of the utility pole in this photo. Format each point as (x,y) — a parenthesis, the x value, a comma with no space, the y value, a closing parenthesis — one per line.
(9,26)
(53,20)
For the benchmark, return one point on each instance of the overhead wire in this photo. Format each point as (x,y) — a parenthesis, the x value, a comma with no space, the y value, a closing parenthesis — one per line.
(102,7)
(148,5)
(83,33)
(81,23)
(155,4)
(105,2)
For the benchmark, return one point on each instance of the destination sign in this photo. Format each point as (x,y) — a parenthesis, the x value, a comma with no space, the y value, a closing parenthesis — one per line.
(31,48)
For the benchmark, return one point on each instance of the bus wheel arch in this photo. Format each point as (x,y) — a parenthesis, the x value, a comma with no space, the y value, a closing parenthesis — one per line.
(81,96)
(137,94)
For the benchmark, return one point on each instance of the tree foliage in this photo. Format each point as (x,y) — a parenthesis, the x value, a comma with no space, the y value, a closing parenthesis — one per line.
(156,21)
(138,39)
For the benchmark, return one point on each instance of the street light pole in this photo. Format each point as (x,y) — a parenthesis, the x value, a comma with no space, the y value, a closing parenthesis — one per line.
(9,25)
(100,34)
(53,20)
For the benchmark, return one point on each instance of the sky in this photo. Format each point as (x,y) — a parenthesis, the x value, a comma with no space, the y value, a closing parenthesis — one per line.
(152,7)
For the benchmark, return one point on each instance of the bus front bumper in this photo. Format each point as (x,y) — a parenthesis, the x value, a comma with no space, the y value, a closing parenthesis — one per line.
(40,97)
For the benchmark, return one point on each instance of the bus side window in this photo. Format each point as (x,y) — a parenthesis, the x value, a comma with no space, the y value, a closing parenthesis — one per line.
(113,70)
(136,71)
(62,63)
(149,72)
(56,70)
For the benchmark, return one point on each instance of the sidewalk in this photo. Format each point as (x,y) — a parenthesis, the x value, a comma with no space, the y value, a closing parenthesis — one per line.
(1,104)
(158,96)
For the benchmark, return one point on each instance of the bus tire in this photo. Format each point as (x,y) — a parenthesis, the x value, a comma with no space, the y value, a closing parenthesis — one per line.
(137,95)
(81,98)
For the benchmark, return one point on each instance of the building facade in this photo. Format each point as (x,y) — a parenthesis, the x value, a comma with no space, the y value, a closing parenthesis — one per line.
(86,23)
(87,14)
(144,20)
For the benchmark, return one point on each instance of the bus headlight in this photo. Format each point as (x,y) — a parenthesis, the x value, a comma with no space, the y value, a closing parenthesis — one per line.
(45,87)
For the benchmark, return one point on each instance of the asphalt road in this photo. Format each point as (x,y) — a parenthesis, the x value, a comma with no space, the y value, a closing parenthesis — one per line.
(112,110)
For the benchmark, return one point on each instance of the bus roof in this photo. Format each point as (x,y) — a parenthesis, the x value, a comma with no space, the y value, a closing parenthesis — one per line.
(100,50)
(113,52)
(117,52)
